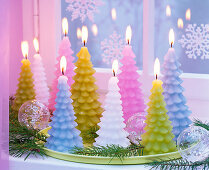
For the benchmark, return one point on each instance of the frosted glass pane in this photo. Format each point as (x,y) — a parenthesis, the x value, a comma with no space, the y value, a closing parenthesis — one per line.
(194,58)
(128,12)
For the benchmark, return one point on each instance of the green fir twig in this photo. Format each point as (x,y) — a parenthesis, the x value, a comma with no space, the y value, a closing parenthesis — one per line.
(180,164)
(112,151)
(198,122)
(24,141)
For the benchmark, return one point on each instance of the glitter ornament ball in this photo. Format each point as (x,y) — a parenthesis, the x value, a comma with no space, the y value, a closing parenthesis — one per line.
(34,113)
(135,127)
(193,144)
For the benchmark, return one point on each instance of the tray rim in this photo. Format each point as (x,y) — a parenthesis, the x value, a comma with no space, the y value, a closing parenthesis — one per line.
(134,160)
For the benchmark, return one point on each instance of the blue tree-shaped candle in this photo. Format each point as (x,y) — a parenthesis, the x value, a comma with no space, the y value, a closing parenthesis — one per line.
(63,134)
(173,91)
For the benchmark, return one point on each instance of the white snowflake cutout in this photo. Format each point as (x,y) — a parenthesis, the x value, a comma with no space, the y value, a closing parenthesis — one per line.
(196,41)
(83,8)
(112,48)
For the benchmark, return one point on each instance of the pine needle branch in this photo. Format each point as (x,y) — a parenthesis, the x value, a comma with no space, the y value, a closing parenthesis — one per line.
(201,124)
(179,164)
(24,141)
(112,151)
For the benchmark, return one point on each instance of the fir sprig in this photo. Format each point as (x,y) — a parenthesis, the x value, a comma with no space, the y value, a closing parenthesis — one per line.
(201,124)
(180,164)
(112,151)
(24,141)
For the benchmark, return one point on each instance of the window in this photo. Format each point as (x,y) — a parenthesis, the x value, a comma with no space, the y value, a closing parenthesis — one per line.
(196,58)
(113,18)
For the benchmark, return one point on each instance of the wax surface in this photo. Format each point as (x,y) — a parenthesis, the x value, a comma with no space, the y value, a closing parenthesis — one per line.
(131,93)
(111,130)
(64,50)
(39,75)
(178,111)
(63,134)
(25,90)
(158,137)
(85,98)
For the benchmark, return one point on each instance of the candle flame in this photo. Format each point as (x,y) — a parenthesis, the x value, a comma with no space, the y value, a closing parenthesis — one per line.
(84,34)
(115,67)
(64,26)
(63,64)
(188,14)
(168,11)
(171,37)
(157,67)
(25,48)
(128,34)
(36,44)
(94,29)
(114,14)
(79,33)
(180,23)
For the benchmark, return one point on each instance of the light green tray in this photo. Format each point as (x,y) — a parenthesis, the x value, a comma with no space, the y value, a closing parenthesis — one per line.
(108,160)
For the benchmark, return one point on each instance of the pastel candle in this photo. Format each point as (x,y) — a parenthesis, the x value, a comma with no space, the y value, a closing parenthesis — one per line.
(25,90)
(129,84)
(63,134)
(64,50)
(158,137)
(178,111)
(112,124)
(87,108)
(39,75)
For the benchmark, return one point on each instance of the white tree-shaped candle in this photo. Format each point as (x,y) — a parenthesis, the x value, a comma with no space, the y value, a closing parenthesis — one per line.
(39,75)
(111,130)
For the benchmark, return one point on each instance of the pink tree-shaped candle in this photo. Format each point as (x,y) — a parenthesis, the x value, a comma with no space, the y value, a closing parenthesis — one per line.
(64,50)
(131,93)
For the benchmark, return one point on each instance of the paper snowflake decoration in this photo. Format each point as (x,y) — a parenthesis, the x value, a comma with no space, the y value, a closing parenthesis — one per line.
(112,48)
(196,41)
(83,8)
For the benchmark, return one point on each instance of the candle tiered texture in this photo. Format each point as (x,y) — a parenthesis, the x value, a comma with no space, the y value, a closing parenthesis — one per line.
(63,134)
(178,112)
(111,130)
(158,137)
(64,50)
(39,75)
(25,90)
(85,98)
(131,93)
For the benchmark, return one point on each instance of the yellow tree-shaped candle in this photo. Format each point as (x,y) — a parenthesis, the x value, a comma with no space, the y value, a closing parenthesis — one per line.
(158,137)
(85,98)
(25,90)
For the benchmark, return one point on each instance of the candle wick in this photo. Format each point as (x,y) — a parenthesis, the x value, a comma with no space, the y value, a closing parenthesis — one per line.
(63,71)
(113,73)
(65,34)
(128,42)
(171,44)
(156,76)
(26,57)
(84,43)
